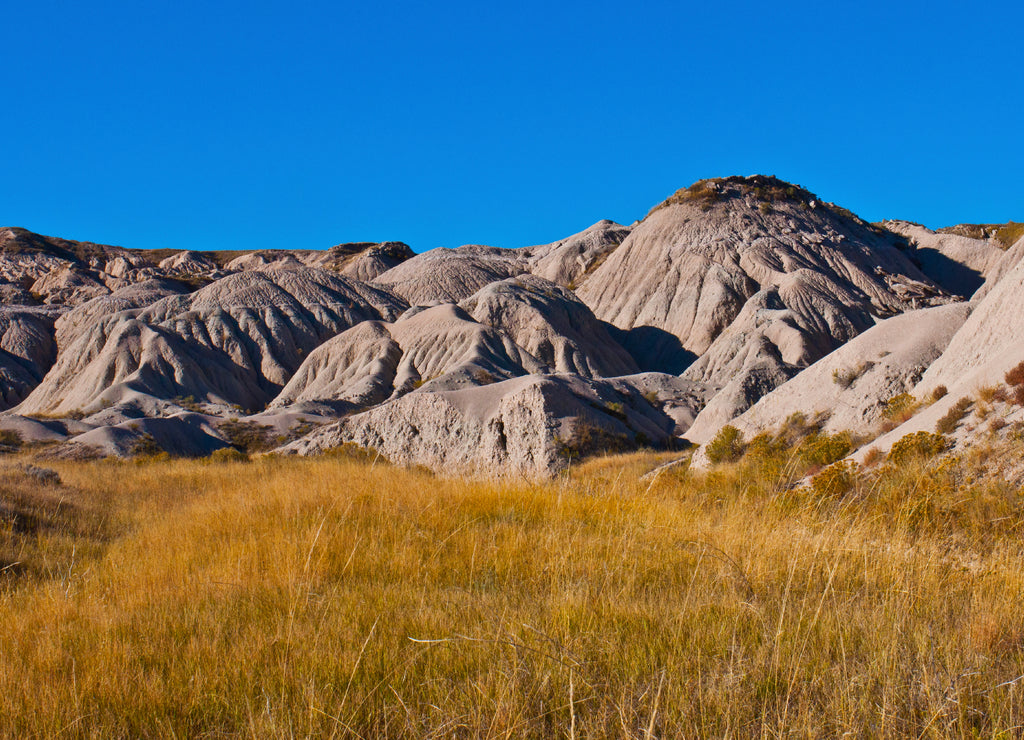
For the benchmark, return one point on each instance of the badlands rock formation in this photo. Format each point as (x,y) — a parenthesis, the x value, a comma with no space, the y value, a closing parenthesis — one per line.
(526,426)
(737,300)
(234,342)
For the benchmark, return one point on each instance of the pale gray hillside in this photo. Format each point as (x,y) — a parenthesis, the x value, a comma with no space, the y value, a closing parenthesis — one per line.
(524,325)
(439,347)
(989,343)
(188,263)
(1010,259)
(757,279)
(138,295)
(529,426)
(452,275)
(960,264)
(570,261)
(27,350)
(236,341)
(691,265)
(850,387)
(552,324)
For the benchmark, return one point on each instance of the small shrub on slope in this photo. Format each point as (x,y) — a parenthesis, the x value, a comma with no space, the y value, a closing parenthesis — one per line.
(917,446)
(900,408)
(727,446)
(1015,376)
(248,436)
(10,440)
(837,479)
(948,423)
(824,449)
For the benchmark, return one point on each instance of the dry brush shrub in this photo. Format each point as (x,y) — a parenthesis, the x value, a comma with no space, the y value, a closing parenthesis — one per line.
(846,377)
(727,445)
(248,436)
(838,479)
(900,408)
(917,446)
(10,441)
(1015,379)
(952,418)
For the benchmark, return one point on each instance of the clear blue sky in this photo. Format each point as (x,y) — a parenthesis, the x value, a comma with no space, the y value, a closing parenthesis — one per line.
(217,125)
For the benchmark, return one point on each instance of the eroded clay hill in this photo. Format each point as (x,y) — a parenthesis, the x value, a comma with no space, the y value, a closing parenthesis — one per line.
(736,297)
(758,279)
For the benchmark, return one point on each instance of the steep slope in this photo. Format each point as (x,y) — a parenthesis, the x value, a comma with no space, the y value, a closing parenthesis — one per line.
(851,386)
(1010,259)
(990,341)
(524,325)
(27,350)
(570,261)
(959,264)
(552,324)
(139,295)
(439,347)
(237,341)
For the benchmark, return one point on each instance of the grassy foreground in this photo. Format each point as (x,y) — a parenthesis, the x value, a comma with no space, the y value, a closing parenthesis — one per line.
(332,598)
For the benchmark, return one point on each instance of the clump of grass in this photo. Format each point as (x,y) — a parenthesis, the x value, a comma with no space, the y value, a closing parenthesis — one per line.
(586,439)
(938,392)
(145,445)
(844,378)
(873,457)
(1015,375)
(226,455)
(189,403)
(837,479)
(1009,234)
(952,418)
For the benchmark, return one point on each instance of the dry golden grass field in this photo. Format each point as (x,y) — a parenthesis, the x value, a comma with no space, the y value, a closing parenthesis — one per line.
(332,597)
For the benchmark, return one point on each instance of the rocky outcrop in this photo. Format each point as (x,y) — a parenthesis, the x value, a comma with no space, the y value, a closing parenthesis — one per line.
(552,324)
(520,326)
(365,261)
(439,347)
(757,278)
(528,426)
(139,295)
(989,343)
